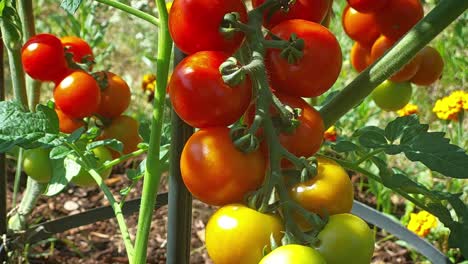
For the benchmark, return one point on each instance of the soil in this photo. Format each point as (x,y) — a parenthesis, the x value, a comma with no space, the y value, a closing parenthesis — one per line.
(101,242)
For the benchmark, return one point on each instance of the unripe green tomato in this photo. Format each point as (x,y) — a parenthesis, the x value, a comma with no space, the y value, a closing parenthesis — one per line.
(391,96)
(36,164)
(346,238)
(293,254)
(84,179)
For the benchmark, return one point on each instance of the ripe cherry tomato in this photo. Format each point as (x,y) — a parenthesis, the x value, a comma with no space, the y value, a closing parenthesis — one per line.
(391,96)
(37,165)
(194,25)
(124,129)
(367,6)
(246,231)
(319,67)
(311,10)
(115,96)
(293,254)
(359,26)
(398,17)
(68,124)
(360,57)
(43,58)
(381,45)
(200,96)
(78,95)
(82,52)
(215,171)
(329,192)
(84,179)
(431,67)
(346,239)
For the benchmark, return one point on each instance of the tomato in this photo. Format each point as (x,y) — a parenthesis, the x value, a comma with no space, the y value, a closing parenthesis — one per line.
(293,254)
(194,25)
(431,67)
(68,124)
(360,27)
(78,95)
(381,45)
(360,57)
(215,171)
(43,58)
(329,192)
(316,71)
(80,49)
(238,234)
(346,239)
(398,17)
(124,129)
(84,179)
(311,10)
(37,165)
(115,96)
(391,96)
(200,96)
(368,6)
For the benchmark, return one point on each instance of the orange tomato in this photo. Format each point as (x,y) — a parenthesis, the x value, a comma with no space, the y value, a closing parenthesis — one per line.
(431,67)
(359,26)
(360,57)
(115,96)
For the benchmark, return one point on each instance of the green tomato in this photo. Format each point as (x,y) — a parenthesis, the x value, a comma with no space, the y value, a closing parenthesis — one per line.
(346,238)
(293,254)
(391,96)
(84,179)
(37,165)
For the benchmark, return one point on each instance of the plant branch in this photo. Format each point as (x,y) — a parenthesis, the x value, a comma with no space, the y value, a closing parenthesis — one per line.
(132,11)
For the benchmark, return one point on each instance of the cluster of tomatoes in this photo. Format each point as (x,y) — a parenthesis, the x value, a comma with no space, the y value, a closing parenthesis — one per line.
(376,26)
(218,173)
(79,95)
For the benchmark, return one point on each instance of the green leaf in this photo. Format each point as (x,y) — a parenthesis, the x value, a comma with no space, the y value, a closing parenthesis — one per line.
(2,6)
(396,128)
(75,136)
(457,237)
(60,152)
(367,129)
(372,139)
(63,171)
(11,25)
(71,5)
(27,130)
(145,131)
(111,143)
(344,146)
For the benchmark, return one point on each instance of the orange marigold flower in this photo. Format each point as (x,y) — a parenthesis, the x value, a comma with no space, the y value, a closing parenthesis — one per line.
(408,109)
(149,79)
(422,223)
(450,107)
(330,134)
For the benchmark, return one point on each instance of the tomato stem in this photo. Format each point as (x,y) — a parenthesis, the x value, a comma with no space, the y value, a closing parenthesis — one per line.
(121,159)
(403,51)
(132,11)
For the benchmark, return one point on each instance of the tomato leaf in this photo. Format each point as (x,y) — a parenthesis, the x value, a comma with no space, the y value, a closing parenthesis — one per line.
(27,130)
(372,139)
(63,171)
(70,5)
(345,146)
(111,143)
(2,6)
(395,129)
(457,237)
(60,152)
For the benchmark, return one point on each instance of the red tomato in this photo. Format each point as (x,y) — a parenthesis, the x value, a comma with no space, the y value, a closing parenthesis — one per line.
(431,67)
(78,95)
(68,124)
(215,171)
(43,58)
(124,129)
(316,71)
(360,57)
(80,49)
(368,6)
(200,96)
(381,45)
(115,97)
(359,26)
(194,24)
(398,17)
(311,10)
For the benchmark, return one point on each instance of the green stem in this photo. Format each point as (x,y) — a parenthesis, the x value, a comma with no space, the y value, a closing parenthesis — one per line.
(19,165)
(121,159)
(3,174)
(132,11)
(33,190)
(153,168)
(418,37)
(368,156)
(460,139)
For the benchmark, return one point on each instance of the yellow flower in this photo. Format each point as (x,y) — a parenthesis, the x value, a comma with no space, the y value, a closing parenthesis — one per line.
(422,223)
(449,107)
(408,109)
(330,134)
(149,79)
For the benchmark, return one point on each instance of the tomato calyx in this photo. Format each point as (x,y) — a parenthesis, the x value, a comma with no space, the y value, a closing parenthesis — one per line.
(232,73)
(291,49)
(232,24)
(244,139)
(86,64)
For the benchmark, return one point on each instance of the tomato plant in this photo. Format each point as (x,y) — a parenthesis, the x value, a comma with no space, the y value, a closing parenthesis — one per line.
(360,27)
(346,239)
(82,52)
(43,58)
(200,96)
(246,231)
(293,254)
(391,96)
(84,179)
(215,171)
(37,165)
(115,95)
(316,71)
(124,129)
